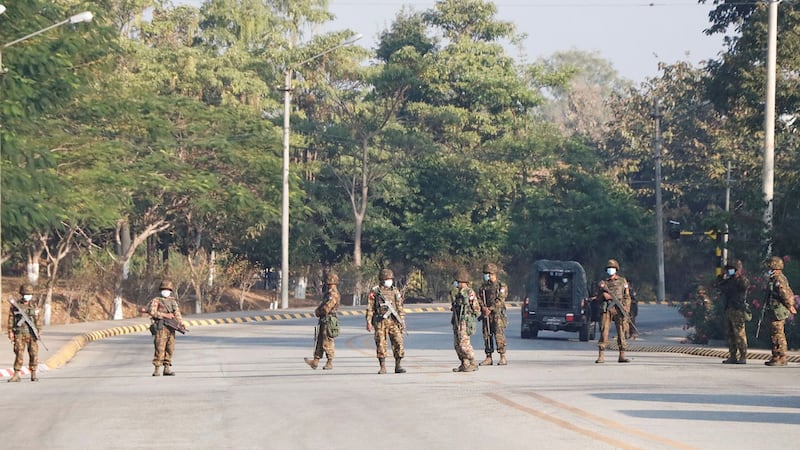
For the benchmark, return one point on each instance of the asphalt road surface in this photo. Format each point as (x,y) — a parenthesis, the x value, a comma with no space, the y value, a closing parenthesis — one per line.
(246,386)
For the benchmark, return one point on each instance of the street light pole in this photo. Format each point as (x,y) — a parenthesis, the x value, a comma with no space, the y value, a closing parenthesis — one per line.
(287,105)
(660,291)
(768,177)
(85,16)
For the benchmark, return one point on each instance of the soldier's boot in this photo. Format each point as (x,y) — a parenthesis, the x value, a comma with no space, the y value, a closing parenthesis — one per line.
(157,371)
(503,360)
(731,359)
(328,364)
(777,361)
(472,366)
(488,361)
(313,363)
(168,371)
(397,368)
(600,357)
(743,356)
(15,378)
(462,367)
(622,358)
(33,376)
(383,365)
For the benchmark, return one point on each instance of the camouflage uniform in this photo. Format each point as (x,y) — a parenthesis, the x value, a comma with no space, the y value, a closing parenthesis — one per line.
(383,321)
(492,298)
(466,307)
(325,310)
(779,307)
(617,287)
(734,292)
(164,337)
(21,334)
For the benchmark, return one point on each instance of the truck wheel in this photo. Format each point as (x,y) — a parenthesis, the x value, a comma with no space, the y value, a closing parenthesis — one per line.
(525,334)
(534,332)
(583,334)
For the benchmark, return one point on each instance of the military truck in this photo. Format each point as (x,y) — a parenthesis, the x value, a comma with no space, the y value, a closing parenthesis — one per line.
(557,300)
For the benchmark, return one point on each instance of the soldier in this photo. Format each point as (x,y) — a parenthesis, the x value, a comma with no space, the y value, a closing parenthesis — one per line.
(465,307)
(733,285)
(492,300)
(326,311)
(385,314)
(23,334)
(613,287)
(779,305)
(166,315)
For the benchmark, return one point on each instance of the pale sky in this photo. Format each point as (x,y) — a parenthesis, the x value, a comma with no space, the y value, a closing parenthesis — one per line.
(635,35)
(632,34)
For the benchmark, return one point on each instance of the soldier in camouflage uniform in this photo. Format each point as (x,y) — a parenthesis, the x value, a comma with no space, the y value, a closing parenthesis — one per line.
(21,334)
(733,286)
(614,286)
(326,310)
(382,299)
(492,298)
(466,307)
(779,306)
(161,308)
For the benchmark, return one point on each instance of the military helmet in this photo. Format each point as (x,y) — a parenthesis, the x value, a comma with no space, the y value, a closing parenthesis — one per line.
(26,289)
(735,264)
(490,268)
(331,278)
(462,276)
(612,263)
(387,274)
(166,285)
(775,263)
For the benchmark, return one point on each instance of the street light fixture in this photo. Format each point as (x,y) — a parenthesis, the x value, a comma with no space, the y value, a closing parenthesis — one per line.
(85,16)
(287,101)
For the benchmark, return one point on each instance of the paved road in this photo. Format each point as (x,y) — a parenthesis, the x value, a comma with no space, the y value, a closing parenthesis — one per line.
(245,386)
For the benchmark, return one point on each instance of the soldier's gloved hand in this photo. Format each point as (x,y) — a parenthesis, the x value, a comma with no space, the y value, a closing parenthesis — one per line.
(11,336)
(168,316)
(792,309)
(486,311)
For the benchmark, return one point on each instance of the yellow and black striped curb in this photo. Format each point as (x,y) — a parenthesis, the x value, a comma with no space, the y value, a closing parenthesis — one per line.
(698,351)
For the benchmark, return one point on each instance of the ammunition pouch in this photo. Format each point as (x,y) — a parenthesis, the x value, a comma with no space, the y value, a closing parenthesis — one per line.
(330,324)
(470,324)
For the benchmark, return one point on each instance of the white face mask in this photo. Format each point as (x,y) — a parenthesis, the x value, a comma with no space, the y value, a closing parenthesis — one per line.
(27,297)
(166,293)
(770,272)
(611,271)
(387,283)
(486,277)
(731,272)
(565,280)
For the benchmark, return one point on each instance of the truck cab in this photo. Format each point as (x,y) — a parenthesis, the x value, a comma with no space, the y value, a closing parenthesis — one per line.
(557,299)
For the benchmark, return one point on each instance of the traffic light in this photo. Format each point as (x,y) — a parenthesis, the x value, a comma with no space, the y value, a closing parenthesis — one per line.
(674,229)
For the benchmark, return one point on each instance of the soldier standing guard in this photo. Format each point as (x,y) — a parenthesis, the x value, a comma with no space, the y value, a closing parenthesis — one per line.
(492,300)
(166,315)
(326,311)
(385,314)
(615,287)
(779,305)
(23,334)
(465,306)
(733,286)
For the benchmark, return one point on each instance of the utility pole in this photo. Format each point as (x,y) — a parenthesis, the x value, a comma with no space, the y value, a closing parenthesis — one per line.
(727,210)
(769,124)
(657,115)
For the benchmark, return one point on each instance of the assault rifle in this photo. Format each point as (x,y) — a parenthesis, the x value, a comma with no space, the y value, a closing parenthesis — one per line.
(174,325)
(392,311)
(26,319)
(615,301)
(763,309)
(487,327)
